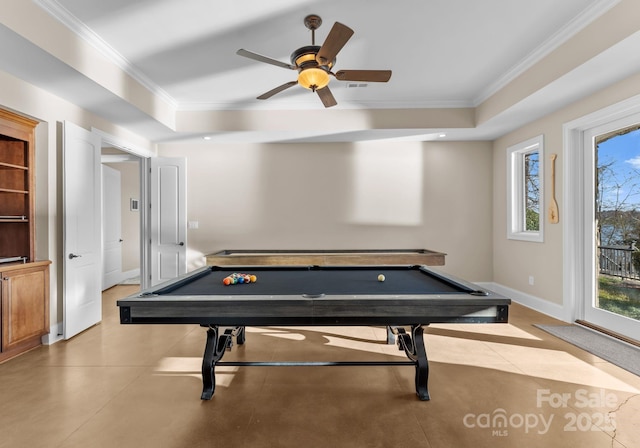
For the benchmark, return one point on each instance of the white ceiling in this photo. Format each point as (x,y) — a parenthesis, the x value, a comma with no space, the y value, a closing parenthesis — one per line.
(443,54)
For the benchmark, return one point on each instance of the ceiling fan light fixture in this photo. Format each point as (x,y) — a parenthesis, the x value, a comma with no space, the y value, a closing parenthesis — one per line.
(315,63)
(313,78)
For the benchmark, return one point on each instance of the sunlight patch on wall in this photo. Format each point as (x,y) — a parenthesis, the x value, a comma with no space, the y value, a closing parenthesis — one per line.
(387,184)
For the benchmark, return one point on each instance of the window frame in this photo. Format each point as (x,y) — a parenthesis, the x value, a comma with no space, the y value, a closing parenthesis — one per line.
(516,190)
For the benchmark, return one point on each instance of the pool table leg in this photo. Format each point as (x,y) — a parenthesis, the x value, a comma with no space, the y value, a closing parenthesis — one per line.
(422,364)
(213,352)
(414,348)
(240,335)
(391,337)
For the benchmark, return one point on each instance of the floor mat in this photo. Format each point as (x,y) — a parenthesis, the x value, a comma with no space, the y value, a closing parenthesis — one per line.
(610,349)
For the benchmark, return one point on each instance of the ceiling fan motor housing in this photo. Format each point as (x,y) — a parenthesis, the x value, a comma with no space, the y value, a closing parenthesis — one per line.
(305,57)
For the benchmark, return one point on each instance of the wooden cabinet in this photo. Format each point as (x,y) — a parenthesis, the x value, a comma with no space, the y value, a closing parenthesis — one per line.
(24,282)
(17,193)
(24,306)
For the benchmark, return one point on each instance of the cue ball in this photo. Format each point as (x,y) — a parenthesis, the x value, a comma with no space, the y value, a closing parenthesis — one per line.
(380,278)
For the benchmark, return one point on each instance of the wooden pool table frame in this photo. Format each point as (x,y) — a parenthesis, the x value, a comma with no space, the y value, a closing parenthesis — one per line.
(335,257)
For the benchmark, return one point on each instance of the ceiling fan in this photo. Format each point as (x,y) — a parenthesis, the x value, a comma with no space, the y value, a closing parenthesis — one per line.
(314,63)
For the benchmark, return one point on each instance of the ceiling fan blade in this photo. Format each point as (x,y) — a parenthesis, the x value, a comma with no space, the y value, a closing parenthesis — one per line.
(326,97)
(364,75)
(336,39)
(278,89)
(268,60)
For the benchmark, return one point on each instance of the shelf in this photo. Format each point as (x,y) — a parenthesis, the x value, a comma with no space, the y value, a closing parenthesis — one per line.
(12,259)
(7,190)
(16,167)
(13,219)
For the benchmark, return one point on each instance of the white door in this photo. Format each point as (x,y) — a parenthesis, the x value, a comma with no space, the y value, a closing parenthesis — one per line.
(168,218)
(111,227)
(592,311)
(81,230)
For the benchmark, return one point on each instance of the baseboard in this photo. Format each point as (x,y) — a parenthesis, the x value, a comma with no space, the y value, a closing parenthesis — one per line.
(535,303)
(55,334)
(123,276)
(130,274)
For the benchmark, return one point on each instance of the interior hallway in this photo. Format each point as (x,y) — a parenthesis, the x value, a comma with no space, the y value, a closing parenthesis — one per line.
(492,385)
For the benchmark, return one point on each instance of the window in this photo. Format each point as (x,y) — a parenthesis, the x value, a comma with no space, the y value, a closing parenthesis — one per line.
(525,167)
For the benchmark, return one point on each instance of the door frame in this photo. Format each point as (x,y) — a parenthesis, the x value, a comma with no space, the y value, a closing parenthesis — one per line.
(578,198)
(144,157)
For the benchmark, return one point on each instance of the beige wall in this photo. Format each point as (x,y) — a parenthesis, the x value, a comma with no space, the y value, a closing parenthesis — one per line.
(515,261)
(432,195)
(312,195)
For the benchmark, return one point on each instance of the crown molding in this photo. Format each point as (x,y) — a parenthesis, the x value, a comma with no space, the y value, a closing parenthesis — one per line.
(61,14)
(344,104)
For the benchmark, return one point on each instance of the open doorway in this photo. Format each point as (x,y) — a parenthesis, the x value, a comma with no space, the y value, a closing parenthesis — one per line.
(121,217)
(162,234)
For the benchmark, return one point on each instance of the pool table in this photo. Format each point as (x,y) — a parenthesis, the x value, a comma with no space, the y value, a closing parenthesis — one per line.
(409,298)
(331,257)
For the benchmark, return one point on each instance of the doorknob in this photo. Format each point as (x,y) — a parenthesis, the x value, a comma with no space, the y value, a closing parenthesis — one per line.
(72,256)
(181,243)
(120,240)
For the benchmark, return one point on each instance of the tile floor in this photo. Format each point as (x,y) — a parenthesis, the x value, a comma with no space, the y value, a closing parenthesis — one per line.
(492,385)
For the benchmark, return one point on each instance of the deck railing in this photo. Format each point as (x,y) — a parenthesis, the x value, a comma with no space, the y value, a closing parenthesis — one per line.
(618,261)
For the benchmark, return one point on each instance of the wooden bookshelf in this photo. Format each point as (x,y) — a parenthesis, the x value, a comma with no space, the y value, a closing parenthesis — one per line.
(24,282)
(17,235)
